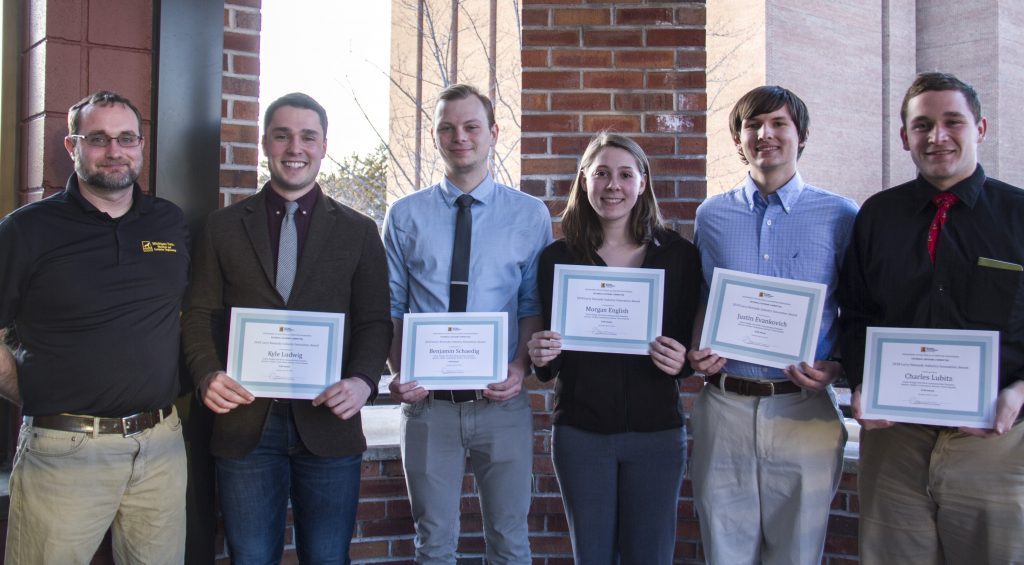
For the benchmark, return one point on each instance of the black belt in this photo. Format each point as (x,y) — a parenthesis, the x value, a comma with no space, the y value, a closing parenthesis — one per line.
(127,426)
(748,387)
(458,396)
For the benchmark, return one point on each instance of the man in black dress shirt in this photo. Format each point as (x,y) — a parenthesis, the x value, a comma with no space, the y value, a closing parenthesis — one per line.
(92,281)
(932,494)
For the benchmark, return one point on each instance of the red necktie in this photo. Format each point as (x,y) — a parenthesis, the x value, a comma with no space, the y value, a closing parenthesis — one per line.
(943,201)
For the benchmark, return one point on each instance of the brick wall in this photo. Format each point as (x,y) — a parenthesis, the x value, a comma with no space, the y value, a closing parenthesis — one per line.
(68,50)
(636,68)
(240,109)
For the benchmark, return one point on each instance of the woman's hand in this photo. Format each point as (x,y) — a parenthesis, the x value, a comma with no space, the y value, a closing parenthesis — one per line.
(668,354)
(544,346)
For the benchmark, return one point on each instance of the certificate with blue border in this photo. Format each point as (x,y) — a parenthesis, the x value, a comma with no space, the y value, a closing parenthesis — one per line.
(928,376)
(455,350)
(607,309)
(285,353)
(770,321)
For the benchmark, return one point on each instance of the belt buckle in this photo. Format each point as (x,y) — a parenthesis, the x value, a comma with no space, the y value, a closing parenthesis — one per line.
(133,423)
(771,388)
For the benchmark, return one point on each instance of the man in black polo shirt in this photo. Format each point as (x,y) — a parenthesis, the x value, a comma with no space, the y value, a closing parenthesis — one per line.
(944,250)
(92,279)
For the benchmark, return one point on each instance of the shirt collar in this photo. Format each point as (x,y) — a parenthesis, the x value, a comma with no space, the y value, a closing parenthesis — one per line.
(306,202)
(140,205)
(482,193)
(788,193)
(966,191)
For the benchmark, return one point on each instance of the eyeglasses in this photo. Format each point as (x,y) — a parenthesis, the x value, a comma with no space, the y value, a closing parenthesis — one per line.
(103,140)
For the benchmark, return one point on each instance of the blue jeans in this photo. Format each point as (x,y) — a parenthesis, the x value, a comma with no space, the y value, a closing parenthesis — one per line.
(254,492)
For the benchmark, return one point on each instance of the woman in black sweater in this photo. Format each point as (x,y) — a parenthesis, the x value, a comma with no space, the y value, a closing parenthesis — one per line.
(618,443)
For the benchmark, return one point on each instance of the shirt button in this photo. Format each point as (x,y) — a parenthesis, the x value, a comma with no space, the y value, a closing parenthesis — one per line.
(942,288)
(765,256)
(769,222)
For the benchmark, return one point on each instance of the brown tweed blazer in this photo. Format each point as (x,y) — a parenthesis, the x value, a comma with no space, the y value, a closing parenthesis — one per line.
(342,269)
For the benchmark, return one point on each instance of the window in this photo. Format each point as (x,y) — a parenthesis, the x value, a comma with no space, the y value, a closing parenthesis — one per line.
(322,49)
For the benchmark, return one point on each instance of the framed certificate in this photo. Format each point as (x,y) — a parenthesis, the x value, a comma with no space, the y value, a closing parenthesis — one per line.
(455,350)
(770,321)
(285,353)
(607,309)
(926,376)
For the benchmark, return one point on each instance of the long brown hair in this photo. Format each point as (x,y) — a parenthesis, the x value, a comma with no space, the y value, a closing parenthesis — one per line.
(580,223)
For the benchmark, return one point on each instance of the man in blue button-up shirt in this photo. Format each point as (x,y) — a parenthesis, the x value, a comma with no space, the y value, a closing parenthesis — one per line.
(509,230)
(768,443)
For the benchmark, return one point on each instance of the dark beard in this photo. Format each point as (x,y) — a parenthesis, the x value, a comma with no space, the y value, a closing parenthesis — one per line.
(106,182)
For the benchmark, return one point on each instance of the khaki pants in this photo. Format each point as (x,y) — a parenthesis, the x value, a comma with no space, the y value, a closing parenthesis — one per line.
(68,488)
(933,495)
(764,473)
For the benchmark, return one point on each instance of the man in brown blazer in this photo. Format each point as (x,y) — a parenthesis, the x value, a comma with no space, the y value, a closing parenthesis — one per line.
(267,449)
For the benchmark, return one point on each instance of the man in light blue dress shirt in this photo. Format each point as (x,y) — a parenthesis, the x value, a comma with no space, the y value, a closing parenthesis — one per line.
(768,443)
(509,230)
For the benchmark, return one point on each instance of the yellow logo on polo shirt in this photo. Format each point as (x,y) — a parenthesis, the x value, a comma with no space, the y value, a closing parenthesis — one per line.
(158,246)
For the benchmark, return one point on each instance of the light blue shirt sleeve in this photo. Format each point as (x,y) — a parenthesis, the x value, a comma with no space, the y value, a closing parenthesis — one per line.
(398,275)
(529,293)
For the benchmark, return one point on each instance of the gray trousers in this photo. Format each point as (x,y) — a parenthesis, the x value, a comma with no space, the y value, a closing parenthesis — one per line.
(621,493)
(436,435)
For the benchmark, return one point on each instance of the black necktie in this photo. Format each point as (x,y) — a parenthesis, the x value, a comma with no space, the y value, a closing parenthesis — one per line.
(458,291)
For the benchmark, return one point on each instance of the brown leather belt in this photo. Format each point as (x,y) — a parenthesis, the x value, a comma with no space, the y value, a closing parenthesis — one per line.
(127,426)
(457,396)
(748,387)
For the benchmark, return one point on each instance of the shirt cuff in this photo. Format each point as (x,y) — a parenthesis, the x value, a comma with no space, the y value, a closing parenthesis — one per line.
(371,384)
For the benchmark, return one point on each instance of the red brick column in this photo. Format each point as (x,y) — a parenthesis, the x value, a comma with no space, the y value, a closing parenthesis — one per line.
(239,134)
(635,68)
(69,50)
(239,131)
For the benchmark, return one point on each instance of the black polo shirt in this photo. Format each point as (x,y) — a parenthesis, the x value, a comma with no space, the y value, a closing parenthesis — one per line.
(888,278)
(96,303)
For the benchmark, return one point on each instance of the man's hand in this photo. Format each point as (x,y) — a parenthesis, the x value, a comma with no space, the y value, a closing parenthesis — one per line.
(543,347)
(344,398)
(410,392)
(223,394)
(706,361)
(815,378)
(865,424)
(668,354)
(1008,405)
(509,387)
